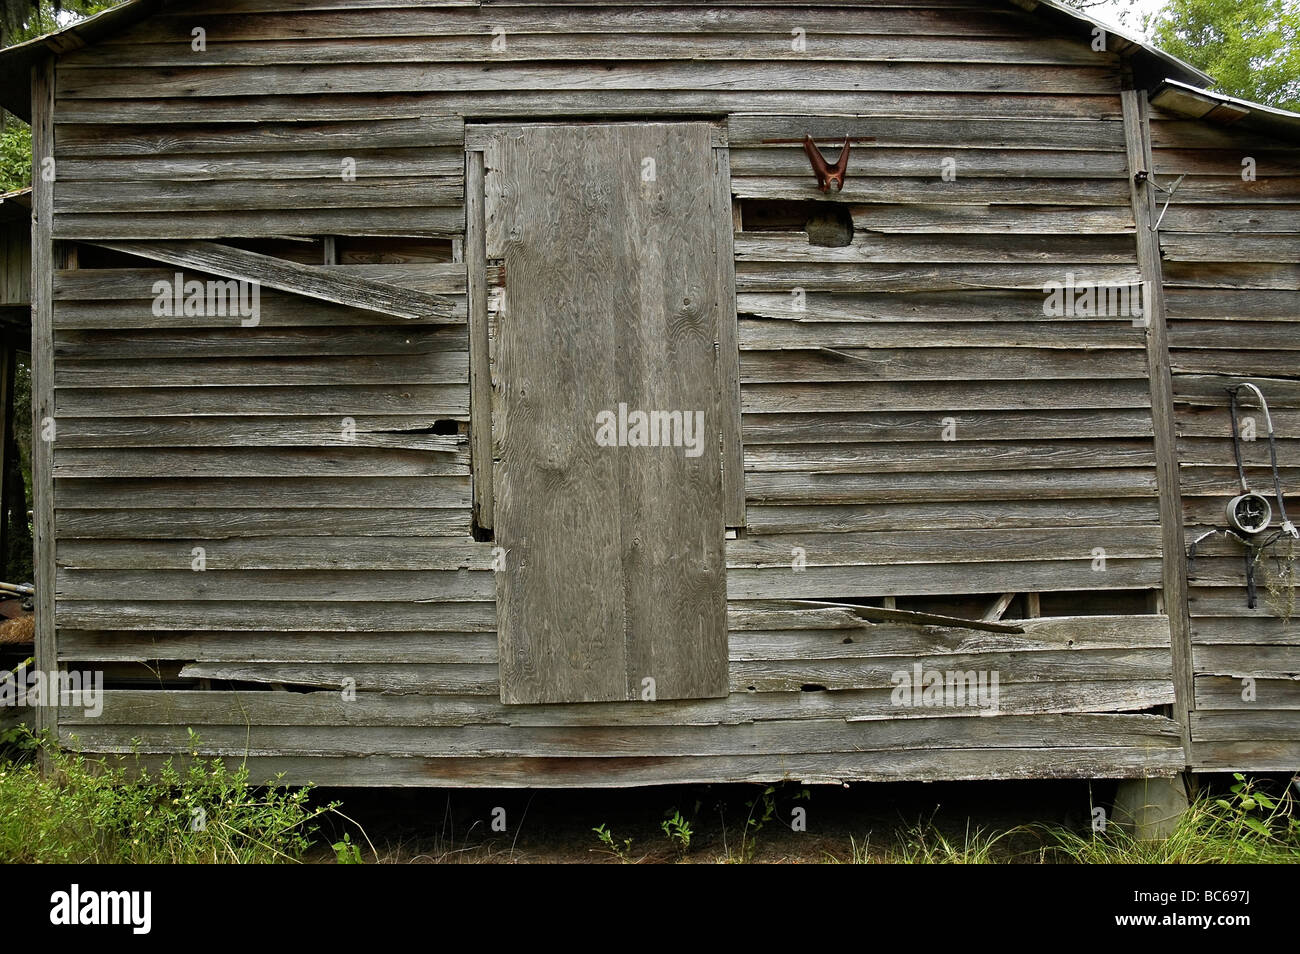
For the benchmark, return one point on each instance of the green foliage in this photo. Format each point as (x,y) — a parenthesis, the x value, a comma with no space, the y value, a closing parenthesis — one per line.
(678,831)
(623,852)
(90,812)
(761,811)
(15,157)
(1250,47)
(346,853)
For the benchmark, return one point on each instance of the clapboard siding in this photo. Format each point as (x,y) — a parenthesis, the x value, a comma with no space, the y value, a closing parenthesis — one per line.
(1233,317)
(914,423)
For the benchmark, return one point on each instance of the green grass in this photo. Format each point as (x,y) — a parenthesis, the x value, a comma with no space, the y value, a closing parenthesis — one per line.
(90,812)
(1244,825)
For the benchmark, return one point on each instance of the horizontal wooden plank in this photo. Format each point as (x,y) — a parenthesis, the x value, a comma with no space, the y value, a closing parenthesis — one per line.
(1265,755)
(440,400)
(817,277)
(600,742)
(265,616)
(256,169)
(216,707)
(928,488)
(887,548)
(280,553)
(969,157)
(1225,693)
(420,648)
(1263,661)
(970,190)
(300,492)
(408,431)
(613,44)
(909,516)
(813,364)
(866,247)
(275,462)
(793,332)
(877,672)
(631,74)
(923,765)
(440,367)
(934,396)
(895,639)
(1232,275)
(201,138)
(885,427)
(1258,724)
(432,221)
(150,195)
(1246,217)
(464,19)
(196,523)
(1220,247)
(841,582)
(944,456)
(332,107)
(324,343)
(958,218)
(958,131)
(278,586)
(136,285)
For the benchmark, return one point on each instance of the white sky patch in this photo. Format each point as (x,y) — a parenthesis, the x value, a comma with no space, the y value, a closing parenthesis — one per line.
(1134,13)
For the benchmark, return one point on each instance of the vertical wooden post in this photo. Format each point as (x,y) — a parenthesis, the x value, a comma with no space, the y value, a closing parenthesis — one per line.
(480,371)
(733,454)
(43,261)
(1137,134)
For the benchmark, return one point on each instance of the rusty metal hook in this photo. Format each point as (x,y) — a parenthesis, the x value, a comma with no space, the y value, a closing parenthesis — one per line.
(827,175)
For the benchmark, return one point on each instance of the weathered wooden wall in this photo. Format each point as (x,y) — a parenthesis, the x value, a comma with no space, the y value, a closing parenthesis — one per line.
(15,263)
(1231,247)
(332,559)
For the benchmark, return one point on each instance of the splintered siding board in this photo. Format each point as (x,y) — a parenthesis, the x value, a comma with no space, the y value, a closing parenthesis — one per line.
(619,578)
(1243,327)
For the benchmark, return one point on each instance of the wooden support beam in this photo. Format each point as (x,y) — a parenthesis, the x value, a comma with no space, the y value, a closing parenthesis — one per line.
(999,607)
(313,281)
(43,435)
(733,456)
(1033,605)
(1137,131)
(480,371)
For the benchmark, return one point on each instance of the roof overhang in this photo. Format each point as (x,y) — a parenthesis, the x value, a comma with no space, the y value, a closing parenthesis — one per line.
(16,206)
(1193,102)
(16,61)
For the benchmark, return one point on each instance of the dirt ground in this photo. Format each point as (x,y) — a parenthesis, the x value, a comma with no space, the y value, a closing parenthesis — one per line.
(556,826)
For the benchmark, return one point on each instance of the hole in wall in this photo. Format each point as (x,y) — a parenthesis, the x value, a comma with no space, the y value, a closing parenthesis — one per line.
(827,224)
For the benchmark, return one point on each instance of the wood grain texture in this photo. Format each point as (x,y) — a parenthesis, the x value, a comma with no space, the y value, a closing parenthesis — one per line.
(620,577)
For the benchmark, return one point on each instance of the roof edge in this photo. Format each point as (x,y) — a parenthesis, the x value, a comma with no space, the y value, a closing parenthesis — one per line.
(1193,102)
(16,61)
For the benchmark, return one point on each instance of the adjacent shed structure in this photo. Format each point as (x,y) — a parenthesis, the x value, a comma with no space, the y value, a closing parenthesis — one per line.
(485,393)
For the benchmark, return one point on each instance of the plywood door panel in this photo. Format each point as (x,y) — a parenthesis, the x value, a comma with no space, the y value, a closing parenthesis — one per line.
(614,570)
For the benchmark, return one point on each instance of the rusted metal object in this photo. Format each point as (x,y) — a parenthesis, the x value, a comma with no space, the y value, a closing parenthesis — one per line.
(827,176)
